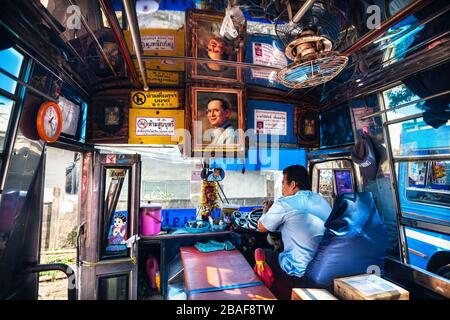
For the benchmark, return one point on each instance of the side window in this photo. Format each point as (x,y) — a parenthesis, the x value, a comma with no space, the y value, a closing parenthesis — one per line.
(425,182)
(11,62)
(429,182)
(6,106)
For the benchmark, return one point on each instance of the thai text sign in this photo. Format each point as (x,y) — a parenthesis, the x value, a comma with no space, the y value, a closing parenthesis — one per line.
(162,77)
(267,55)
(155,99)
(158,42)
(270,122)
(150,126)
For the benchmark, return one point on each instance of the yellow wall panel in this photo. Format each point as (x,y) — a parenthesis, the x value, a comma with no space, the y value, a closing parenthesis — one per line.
(161,42)
(147,126)
(155,99)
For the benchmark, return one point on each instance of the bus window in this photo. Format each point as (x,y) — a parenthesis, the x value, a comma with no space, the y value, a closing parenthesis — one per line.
(429,182)
(424,184)
(163,19)
(411,137)
(6,106)
(10,61)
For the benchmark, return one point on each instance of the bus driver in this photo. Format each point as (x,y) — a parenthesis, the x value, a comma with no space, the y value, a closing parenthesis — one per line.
(300,215)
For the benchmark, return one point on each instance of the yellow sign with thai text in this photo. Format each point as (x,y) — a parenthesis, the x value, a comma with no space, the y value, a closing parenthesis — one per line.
(148,126)
(163,77)
(162,43)
(161,99)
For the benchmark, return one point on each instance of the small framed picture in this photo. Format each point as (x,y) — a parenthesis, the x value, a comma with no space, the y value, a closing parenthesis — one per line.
(112,116)
(217,120)
(109,115)
(307,127)
(207,43)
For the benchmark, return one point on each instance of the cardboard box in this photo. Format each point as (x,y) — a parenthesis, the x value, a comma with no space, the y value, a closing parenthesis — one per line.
(311,294)
(368,287)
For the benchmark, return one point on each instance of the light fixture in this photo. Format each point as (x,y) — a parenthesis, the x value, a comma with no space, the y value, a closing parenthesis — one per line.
(147,6)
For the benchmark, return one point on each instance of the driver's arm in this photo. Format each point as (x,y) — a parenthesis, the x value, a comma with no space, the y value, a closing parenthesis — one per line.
(261,227)
(273,218)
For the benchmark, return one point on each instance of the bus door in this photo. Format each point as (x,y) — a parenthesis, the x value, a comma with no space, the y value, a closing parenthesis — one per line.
(109,202)
(333,177)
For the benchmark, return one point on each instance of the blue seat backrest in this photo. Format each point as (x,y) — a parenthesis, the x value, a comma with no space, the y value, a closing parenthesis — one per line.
(355,241)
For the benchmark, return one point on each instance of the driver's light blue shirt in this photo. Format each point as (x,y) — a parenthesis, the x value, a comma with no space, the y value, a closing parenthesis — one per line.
(300,218)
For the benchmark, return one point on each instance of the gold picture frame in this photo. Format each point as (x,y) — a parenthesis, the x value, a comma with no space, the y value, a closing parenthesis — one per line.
(206,43)
(216,133)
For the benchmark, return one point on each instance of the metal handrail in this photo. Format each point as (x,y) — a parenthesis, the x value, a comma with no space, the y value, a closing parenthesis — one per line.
(115,27)
(68,271)
(400,106)
(130,12)
(425,157)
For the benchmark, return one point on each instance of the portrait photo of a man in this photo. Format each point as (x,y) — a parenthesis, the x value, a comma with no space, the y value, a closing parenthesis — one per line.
(219,117)
(218,112)
(209,44)
(259,126)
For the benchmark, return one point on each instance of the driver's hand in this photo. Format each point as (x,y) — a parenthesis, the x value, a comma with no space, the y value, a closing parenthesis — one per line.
(267,205)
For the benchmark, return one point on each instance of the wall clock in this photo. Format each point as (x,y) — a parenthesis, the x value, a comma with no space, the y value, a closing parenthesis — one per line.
(49,121)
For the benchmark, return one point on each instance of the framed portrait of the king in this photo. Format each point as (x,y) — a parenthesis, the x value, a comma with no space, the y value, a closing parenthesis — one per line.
(215,54)
(217,121)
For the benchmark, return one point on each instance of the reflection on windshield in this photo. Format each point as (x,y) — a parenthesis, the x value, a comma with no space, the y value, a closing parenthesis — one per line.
(398,39)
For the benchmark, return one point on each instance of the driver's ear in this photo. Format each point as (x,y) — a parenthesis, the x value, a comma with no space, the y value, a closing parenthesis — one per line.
(293,185)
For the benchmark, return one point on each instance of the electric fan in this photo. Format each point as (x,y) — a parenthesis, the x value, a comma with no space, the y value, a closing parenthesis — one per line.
(310,39)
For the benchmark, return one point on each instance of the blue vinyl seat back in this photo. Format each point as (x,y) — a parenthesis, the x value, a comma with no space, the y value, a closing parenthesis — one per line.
(355,242)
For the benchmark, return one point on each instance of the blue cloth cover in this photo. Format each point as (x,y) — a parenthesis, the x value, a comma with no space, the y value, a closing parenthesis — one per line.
(354,242)
(212,245)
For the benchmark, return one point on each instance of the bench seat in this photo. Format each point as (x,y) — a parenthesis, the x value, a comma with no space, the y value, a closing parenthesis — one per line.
(221,275)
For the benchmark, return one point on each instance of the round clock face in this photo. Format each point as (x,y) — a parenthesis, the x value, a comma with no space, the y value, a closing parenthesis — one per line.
(49,121)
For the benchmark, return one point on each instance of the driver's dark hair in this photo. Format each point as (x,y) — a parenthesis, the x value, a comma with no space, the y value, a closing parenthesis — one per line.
(299,174)
(225,104)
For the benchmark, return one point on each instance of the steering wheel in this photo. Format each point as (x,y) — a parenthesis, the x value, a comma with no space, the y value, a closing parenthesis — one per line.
(247,220)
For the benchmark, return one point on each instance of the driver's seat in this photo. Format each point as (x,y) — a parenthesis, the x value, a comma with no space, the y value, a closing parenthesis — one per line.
(355,242)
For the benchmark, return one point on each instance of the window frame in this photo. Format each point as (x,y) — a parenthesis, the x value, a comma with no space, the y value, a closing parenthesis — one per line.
(13,123)
(424,189)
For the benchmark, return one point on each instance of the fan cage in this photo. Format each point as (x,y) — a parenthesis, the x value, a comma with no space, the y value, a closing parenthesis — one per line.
(312,73)
(323,17)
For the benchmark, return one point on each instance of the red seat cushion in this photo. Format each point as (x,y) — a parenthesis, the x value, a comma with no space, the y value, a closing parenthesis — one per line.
(208,270)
